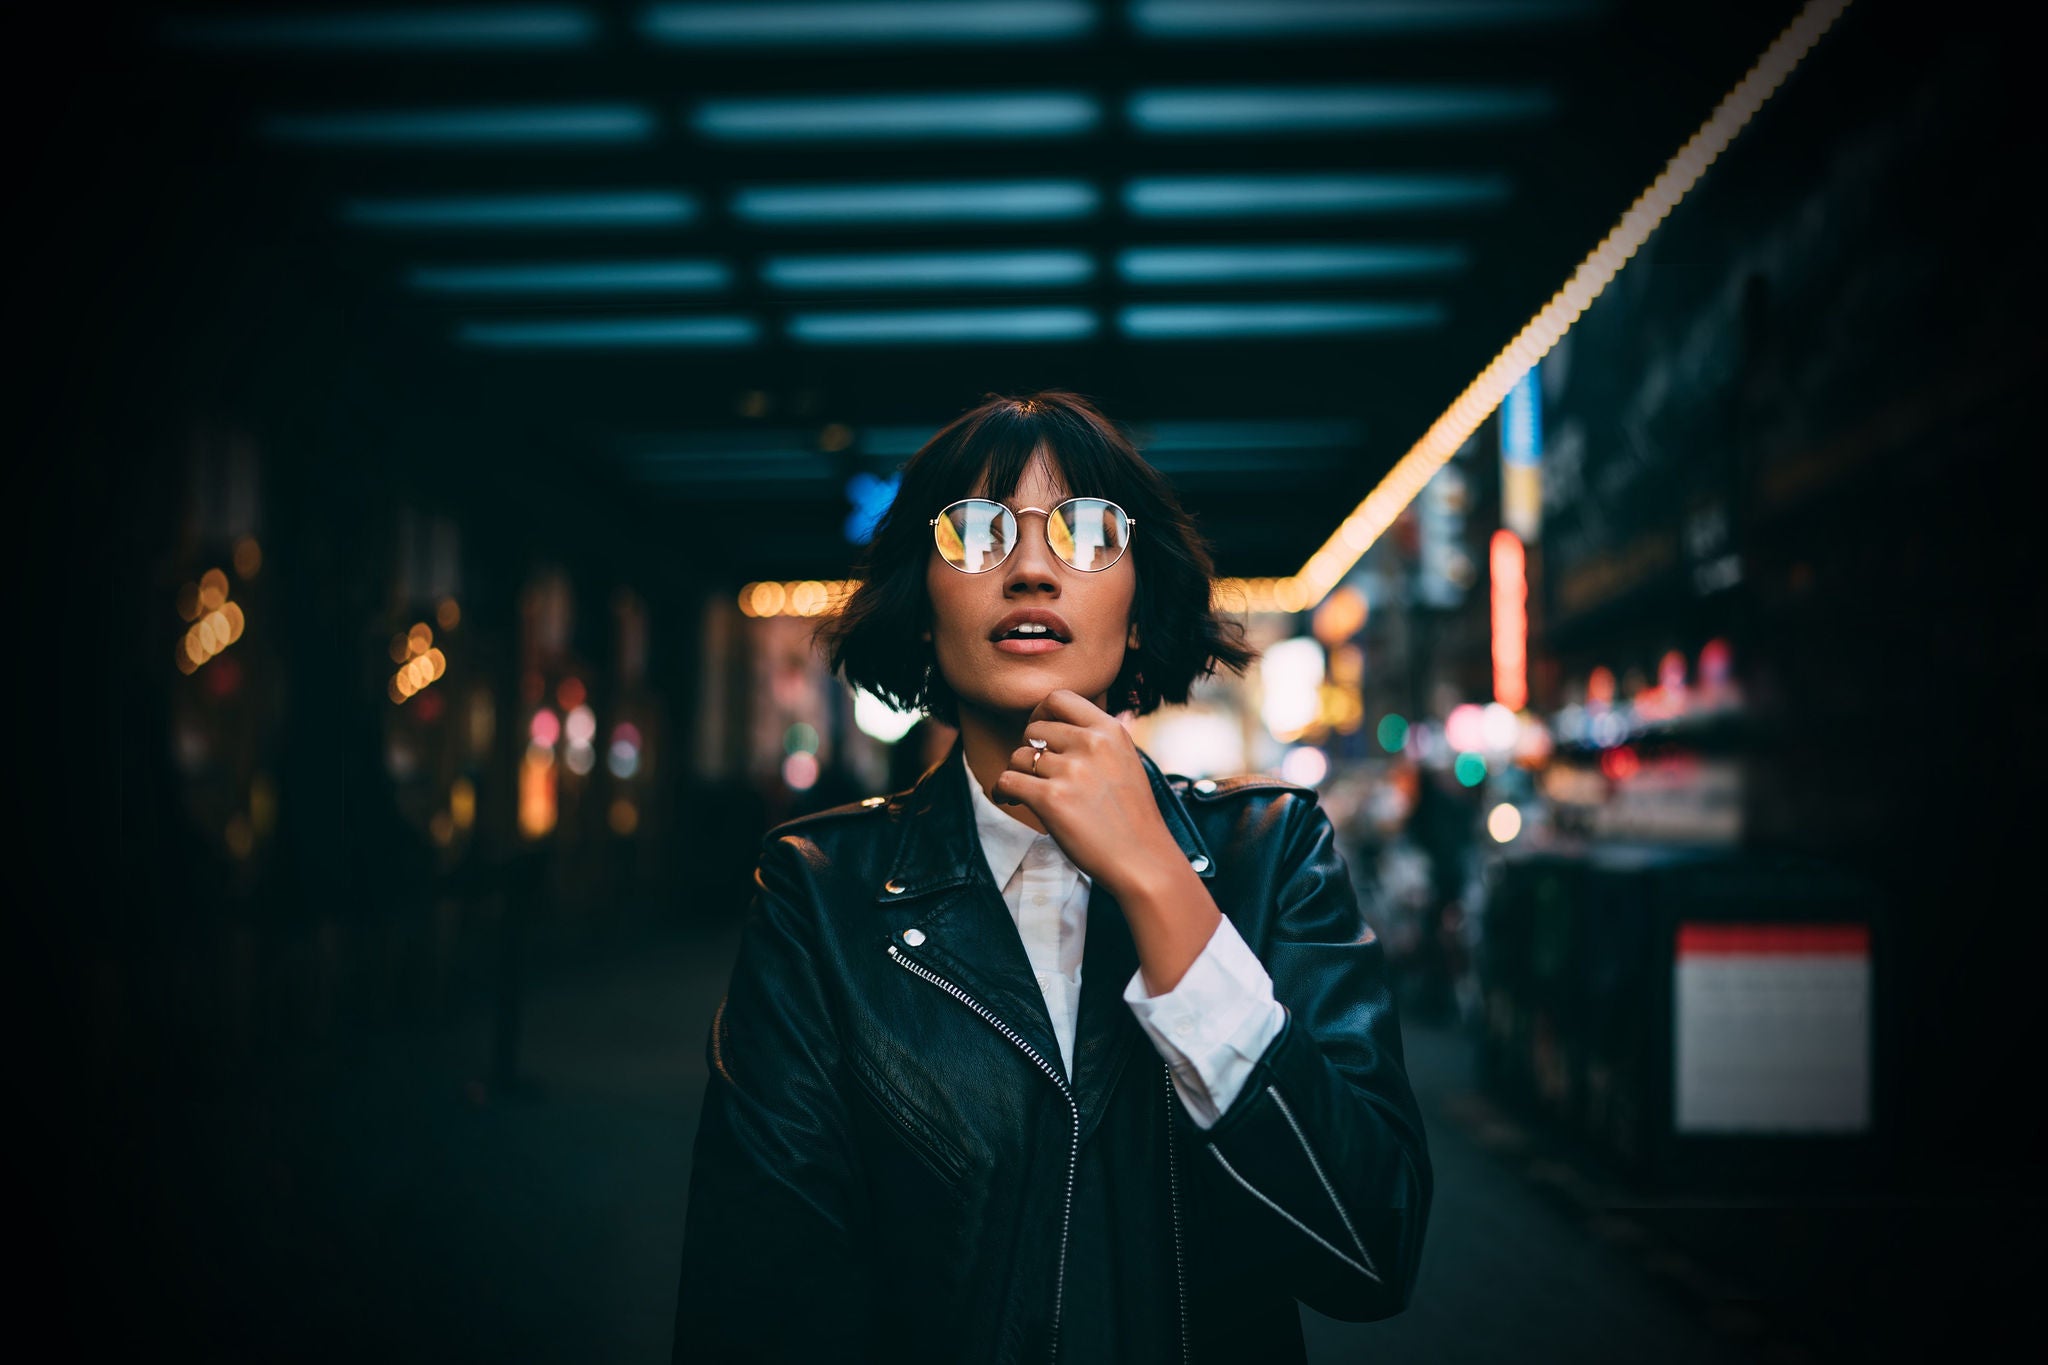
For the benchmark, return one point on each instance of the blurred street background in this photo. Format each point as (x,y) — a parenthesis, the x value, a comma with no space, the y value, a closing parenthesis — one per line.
(444,425)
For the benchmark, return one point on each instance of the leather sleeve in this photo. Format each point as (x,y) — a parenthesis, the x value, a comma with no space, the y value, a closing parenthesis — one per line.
(1321,1161)
(775,1206)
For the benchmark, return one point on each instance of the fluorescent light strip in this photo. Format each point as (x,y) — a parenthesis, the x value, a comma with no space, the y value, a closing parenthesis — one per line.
(1369,520)
(943,325)
(1304,262)
(536,125)
(1019,201)
(1183,437)
(1324,194)
(1210,321)
(598,333)
(575,277)
(1236,19)
(511,28)
(905,23)
(905,118)
(931,270)
(526,212)
(1333,109)
(895,441)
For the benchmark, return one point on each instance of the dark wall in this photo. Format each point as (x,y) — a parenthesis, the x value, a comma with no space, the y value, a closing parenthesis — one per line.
(1822,367)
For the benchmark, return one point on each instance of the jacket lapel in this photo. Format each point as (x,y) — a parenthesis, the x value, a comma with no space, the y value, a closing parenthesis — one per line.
(946,894)
(939,884)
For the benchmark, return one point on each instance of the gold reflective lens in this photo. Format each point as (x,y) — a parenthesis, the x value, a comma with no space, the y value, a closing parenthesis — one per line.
(975,535)
(1089,533)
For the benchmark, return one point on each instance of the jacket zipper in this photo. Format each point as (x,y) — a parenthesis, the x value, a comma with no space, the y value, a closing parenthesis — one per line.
(1173,1186)
(1074,1154)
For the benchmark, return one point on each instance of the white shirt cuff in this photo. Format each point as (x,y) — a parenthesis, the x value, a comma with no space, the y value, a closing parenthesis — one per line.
(1213,1026)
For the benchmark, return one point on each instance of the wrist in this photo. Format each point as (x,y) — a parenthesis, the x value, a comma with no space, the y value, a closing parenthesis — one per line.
(1150,876)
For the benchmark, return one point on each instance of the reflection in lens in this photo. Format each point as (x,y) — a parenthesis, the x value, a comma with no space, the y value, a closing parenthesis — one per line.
(1088,533)
(975,535)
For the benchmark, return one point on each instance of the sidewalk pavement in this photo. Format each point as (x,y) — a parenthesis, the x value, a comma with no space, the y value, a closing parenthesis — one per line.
(388,1204)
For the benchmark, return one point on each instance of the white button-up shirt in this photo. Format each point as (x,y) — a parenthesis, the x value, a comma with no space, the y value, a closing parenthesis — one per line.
(1211,1028)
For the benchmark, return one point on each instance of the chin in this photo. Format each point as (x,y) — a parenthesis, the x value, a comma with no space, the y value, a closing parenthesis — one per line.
(1025,689)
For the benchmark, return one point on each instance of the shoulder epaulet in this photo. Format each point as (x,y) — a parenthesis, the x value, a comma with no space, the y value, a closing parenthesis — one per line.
(867,806)
(1215,788)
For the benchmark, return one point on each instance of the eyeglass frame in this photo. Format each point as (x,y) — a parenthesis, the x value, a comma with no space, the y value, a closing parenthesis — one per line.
(1016,513)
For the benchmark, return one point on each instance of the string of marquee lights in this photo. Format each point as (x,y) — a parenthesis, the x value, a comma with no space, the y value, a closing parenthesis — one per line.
(1370,519)
(1367,522)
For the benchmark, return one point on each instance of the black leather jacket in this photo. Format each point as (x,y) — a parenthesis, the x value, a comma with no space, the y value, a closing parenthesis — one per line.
(892,1163)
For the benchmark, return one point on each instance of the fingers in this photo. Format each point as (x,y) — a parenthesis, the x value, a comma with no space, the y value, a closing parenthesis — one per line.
(1039,763)
(1059,736)
(1065,704)
(1012,788)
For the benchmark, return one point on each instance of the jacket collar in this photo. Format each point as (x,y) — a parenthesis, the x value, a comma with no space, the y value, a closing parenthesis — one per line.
(940,846)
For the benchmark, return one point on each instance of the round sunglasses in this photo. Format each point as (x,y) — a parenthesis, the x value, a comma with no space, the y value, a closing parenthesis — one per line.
(975,535)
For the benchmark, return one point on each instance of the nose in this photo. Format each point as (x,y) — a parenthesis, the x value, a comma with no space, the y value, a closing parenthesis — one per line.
(1030,567)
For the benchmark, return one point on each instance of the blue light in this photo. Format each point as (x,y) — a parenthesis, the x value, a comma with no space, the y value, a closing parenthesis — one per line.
(943,325)
(923,118)
(1330,109)
(517,27)
(870,497)
(931,270)
(516,212)
(587,333)
(1281,264)
(575,277)
(1009,201)
(904,23)
(1521,423)
(1317,194)
(507,126)
(1173,321)
(1219,19)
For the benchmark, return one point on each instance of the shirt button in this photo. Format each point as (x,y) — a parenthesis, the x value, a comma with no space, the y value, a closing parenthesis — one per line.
(1038,900)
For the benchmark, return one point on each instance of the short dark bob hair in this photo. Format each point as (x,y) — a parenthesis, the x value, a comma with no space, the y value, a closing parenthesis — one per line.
(875,639)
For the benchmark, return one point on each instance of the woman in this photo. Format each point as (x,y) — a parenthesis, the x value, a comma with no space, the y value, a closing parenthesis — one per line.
(1052,1056)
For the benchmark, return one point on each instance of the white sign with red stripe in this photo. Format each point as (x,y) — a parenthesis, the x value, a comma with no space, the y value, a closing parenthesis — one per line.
(1771,1029)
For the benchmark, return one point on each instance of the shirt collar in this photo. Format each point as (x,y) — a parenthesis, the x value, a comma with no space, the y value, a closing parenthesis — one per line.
(1004,838)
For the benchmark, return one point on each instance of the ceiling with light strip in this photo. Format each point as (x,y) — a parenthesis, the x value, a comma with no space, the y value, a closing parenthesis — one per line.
(723,258)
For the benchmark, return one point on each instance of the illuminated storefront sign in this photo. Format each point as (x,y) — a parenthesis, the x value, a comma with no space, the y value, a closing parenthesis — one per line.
(1510,621)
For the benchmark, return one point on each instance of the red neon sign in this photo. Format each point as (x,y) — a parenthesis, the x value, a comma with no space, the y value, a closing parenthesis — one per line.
(1510,621)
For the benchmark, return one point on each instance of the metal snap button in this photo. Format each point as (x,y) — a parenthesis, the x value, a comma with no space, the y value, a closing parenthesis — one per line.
(913,936)
(893,887)
(1199,863)
(1206,785)
(874,801)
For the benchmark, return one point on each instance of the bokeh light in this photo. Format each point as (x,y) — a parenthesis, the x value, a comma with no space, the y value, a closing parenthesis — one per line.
(800,771)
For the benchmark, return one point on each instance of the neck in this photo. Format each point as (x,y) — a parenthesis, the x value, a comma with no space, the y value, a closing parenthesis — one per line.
(989,741)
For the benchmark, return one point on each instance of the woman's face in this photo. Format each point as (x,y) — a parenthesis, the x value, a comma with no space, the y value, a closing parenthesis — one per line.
(1008,678)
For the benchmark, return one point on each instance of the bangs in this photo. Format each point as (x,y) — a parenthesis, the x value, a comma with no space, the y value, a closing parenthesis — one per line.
(987,454)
